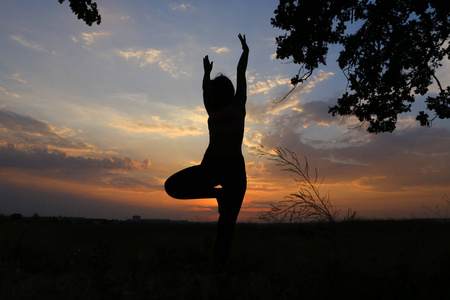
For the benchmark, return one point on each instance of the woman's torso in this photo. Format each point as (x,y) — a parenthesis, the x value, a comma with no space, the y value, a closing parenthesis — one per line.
(226,132)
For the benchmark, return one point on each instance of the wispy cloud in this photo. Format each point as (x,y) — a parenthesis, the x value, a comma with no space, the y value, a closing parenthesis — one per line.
(29,44)
(182,7)
(347,161)
(158,126)
(265,86)
(2,89)
(90,38)
(220,50)
(130,53)
(153,56)
(18,77)
(115,17)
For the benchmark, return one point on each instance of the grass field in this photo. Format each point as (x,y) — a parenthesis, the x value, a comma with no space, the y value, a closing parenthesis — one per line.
(407,259)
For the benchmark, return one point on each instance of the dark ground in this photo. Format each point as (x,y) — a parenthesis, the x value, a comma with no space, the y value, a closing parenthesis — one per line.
(44,259)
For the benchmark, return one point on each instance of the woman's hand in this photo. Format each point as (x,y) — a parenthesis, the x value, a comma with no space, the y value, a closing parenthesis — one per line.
(207,66)
(243,42)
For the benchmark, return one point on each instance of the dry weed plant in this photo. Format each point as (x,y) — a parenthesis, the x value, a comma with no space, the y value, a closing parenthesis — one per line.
(308,204)
(441,210)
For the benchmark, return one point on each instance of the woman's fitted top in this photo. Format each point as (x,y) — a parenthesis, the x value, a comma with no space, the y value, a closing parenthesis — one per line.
(227,120)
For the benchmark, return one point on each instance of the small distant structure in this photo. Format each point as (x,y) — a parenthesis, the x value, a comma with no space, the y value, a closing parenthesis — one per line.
(138,219)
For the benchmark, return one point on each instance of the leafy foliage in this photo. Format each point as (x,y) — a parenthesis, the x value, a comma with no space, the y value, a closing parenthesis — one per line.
(85,10)
(390,59)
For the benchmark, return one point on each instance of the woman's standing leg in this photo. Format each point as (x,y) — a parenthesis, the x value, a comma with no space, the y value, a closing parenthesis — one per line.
(233,187)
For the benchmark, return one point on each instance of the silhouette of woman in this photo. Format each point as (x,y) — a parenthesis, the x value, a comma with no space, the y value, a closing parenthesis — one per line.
(223,163)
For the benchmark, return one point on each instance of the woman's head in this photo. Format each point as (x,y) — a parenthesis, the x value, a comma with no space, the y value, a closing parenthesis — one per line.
(223,90)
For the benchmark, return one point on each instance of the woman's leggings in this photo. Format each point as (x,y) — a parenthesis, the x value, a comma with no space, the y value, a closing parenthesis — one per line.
(200,181)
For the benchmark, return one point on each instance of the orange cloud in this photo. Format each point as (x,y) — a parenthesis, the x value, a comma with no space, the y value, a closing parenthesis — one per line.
(158,126)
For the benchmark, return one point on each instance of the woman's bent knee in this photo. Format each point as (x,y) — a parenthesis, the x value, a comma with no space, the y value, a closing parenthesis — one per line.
(171,187)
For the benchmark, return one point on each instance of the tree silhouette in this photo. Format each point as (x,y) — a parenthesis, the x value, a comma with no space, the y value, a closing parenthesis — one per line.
(85,10)
(391,57)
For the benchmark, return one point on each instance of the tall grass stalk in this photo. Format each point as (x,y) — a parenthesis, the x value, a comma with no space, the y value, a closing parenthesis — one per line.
(441,210)
(308,204)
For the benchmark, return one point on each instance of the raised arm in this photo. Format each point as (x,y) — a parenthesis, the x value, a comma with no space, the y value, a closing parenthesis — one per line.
(206,85)
(241,86)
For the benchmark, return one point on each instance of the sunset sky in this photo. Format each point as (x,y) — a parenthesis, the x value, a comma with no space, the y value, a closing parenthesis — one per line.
(94,119)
